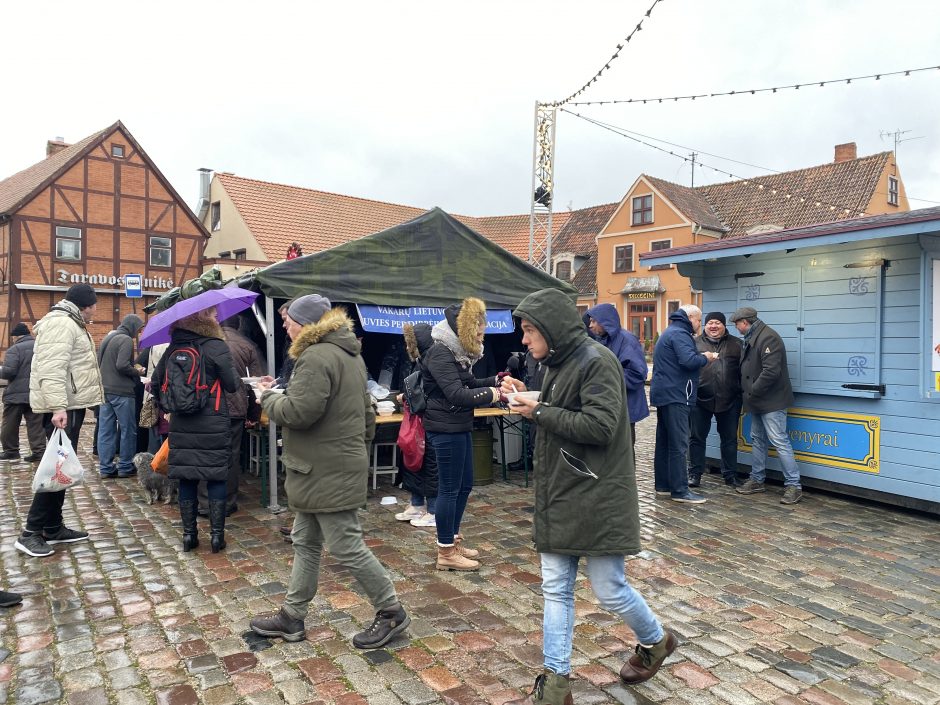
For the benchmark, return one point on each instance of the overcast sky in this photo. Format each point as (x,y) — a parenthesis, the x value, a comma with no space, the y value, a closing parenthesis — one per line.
(431,103)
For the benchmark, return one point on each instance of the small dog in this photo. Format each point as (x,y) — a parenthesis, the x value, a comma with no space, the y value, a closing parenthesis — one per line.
(154,483)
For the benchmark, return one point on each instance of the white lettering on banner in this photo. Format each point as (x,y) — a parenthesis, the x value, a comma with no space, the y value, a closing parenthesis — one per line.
(65,277)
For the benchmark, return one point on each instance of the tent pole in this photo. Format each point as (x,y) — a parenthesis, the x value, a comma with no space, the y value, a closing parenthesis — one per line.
(272,428)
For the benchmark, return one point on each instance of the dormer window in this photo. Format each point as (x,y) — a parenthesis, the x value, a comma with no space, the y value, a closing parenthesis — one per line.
(563,270)
(643,210)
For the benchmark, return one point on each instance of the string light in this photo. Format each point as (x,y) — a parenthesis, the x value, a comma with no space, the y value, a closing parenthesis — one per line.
(740,179)
(750,91)
(613,58)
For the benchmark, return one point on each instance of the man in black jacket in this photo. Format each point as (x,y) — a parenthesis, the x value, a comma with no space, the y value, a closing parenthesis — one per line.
(118,415)
(16,367)
(719,395)
(765,384)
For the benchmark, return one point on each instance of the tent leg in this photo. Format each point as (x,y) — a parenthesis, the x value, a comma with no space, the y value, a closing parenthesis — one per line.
(272,428)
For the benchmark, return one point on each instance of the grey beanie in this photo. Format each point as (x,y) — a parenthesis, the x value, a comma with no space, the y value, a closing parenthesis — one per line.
(309,308)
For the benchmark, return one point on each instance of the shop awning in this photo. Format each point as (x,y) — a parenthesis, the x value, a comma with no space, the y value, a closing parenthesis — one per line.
(390,319)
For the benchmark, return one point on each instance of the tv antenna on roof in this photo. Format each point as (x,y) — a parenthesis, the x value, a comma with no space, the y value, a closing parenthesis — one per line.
(897,135)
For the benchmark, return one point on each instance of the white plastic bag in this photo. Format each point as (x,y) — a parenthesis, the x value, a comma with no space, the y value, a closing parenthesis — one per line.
(59,469)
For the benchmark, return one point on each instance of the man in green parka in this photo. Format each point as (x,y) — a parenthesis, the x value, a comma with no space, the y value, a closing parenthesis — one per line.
(327,418)
(585,490)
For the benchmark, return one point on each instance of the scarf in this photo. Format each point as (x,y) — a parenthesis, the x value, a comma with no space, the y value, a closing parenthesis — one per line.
(442,333)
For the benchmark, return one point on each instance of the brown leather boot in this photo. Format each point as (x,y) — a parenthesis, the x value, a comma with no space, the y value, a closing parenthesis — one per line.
(449,559)
(465,552)
(549,689)
(646,661)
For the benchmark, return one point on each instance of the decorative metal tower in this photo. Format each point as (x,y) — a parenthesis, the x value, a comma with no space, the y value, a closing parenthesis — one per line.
(543,186)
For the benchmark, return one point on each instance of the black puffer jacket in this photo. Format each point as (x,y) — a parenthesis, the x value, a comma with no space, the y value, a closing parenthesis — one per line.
(719,384)
(449,385)
(16,366)
(424,482)
(199,443)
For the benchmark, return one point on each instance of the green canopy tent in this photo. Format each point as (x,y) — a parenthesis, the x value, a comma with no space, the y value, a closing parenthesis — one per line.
(433,260)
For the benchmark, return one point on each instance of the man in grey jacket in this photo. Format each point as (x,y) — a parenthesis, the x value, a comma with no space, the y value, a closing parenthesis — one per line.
(765,383)
(16,367)
(118,415)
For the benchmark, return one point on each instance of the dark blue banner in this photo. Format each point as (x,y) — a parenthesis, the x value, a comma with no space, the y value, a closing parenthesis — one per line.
(390,319)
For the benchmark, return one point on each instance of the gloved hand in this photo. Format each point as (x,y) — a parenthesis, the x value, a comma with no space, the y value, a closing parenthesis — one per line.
(500,375)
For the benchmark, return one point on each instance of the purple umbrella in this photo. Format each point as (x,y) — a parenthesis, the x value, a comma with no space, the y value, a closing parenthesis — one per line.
(227,302)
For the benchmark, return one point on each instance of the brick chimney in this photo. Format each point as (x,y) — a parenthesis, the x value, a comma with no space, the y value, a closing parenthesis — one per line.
(55,146)
(846,152)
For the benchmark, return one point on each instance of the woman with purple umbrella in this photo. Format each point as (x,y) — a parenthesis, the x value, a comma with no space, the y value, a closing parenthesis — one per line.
(190,382)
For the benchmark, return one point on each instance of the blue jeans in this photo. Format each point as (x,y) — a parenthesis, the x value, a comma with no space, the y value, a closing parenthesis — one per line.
(454,452)
(772,426)
(670,466)
(417,500)
(122,412)
(609,584)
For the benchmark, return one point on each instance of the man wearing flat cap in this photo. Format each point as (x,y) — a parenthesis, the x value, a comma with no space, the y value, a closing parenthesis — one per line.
(719,396)
(765,386)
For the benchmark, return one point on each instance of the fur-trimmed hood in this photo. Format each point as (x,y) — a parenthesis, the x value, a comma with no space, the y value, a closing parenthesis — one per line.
(200,326)
(463,319)
(335,325)
(417,339)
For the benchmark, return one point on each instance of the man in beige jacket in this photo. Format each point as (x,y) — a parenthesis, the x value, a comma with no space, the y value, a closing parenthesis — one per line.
(64,382)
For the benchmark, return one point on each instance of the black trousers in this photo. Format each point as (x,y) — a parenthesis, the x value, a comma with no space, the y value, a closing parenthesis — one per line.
(13,414)
(45,513)
(700,424)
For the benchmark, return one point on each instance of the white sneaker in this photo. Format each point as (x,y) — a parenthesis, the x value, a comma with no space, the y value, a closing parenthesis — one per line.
(412,512)
(426,520)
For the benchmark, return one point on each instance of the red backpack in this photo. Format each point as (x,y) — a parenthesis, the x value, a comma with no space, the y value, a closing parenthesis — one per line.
(411,439)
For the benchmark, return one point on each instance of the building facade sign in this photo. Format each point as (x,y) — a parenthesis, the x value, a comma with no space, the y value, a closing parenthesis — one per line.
(641,295)
(836,439)
(63,276)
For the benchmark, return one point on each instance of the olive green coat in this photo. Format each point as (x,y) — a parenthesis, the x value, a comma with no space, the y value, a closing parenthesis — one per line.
(582,411)
(327,418)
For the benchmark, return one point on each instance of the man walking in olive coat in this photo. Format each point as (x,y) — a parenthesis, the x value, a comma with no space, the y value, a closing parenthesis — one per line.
(585,490)
(327,419)
(765,383)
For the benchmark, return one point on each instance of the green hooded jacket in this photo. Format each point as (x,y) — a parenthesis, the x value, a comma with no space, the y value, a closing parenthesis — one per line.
(585,474)
(327,418)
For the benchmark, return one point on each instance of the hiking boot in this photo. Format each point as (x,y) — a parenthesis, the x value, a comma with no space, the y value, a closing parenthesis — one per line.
(33,545)
(425,520)
(65,535)
(280,624)
(646,660)
(462,550)
(688,498)
(550,689)
(695,480)
(412,512)
(750,487)
(388,624)
(449,559)
(10,599)
(10,455)
(791,495)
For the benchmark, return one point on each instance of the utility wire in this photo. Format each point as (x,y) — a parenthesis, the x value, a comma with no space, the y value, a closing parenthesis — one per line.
(613,58)
(748,91)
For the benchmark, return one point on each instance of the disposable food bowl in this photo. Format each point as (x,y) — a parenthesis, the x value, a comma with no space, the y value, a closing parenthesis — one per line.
(385,412)
(251,380)
(534,396)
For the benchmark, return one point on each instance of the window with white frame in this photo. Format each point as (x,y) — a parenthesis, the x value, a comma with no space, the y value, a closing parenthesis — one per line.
(623,258)
(892,190)
(161,252)
(672,306)
(660,245)
(68,243)
(643,210)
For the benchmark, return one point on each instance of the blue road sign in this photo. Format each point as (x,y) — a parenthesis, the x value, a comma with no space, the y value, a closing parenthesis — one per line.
(133,286)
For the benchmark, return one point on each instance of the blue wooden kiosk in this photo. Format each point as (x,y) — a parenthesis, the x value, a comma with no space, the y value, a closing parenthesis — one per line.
(858,304)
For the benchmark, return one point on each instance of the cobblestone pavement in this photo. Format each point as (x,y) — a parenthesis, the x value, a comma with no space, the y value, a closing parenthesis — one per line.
(831,601)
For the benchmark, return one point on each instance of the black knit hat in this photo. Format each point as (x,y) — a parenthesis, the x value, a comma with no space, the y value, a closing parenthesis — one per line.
(717,316)
(18,330)
(82,295)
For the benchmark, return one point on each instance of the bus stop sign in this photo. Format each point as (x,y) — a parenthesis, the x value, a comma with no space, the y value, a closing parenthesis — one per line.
(133,286)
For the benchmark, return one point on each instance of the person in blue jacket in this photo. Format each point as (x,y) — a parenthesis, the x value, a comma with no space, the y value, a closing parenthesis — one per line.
(676,366)
(604,324)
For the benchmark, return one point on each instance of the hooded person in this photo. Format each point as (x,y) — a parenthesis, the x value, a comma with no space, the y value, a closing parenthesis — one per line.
(585,490)
(604,324)
(452,394)
(117,417)
(16,370)
(421,483)
(327,418)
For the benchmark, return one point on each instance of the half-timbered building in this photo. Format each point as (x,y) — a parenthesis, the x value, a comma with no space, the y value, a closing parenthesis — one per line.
(92,212)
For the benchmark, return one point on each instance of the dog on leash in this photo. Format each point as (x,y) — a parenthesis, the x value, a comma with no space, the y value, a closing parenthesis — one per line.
(157,486)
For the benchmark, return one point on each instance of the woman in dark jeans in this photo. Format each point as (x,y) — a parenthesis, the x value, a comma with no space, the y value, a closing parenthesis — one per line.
(452,393)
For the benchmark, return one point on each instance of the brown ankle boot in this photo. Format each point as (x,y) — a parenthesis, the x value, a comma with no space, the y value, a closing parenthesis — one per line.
(465,552)
(449,559)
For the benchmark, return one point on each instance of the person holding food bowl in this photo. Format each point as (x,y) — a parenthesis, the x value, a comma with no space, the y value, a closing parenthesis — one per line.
(452,394)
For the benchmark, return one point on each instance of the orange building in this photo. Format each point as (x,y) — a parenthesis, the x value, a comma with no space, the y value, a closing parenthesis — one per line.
(656,214)
(92,212)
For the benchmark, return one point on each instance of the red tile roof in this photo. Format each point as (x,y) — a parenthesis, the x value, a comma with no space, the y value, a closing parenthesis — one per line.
(690,201)
(582,226)
(17,189)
